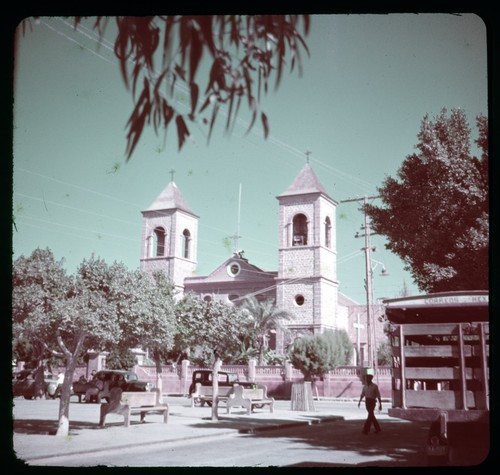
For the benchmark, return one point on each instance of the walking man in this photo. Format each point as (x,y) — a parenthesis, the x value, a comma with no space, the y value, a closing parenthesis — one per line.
(371,393)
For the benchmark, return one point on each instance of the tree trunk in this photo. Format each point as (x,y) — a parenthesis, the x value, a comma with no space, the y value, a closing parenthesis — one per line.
(261,355)
(63,427)
(159,382)
(215,388)
(39,384)
(302,398)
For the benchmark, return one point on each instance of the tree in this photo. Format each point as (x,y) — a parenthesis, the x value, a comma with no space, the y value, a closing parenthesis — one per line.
(37,282)
(238,54)
(145,312)
(315,355)
(103,306)
(384,354)
(435,214)
(119,358)
(342,349)
(263,317)
(61,313)
(311,354)
(205,327)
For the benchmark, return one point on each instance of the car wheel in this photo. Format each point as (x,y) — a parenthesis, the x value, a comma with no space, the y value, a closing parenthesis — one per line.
(259,406)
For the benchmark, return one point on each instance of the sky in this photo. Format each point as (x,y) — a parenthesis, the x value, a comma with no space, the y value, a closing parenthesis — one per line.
(357,107)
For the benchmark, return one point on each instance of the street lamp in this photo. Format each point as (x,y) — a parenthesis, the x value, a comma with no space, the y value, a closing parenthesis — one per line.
(383,271)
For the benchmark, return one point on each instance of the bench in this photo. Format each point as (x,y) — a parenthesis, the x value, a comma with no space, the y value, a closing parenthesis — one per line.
(204,394)
(79,389)
(249,398)
(127,403)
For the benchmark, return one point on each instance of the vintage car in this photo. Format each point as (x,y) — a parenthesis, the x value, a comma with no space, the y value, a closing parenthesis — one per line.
(204,377)
(103,381)
(23,384)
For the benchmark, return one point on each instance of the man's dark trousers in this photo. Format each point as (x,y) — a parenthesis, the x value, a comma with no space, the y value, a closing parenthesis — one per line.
(370,407)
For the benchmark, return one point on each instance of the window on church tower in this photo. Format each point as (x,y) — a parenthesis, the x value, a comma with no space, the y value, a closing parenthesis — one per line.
(299,300)
(328,232)
(299,230)
(159,236)
(186,235)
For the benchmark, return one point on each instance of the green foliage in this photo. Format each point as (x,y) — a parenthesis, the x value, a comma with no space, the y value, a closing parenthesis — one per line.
(145,310)
(237,54)
(203,327)
(261,319)
(342,349)
(315,355)
(246,354)
(102,307)
(273,358)
(27,351)
(384,354)
(38,282)
(119,359)
(436,213)
(311,355)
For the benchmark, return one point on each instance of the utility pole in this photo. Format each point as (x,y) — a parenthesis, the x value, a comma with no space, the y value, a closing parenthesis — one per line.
(370,333)
(358,326)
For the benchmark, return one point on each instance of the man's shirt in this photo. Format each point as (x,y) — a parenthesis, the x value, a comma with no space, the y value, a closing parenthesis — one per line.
(370,391)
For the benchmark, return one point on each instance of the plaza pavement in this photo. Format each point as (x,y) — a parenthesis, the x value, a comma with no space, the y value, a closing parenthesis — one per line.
(35,425)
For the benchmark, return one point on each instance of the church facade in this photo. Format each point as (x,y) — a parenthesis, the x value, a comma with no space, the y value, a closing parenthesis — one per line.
(305,283)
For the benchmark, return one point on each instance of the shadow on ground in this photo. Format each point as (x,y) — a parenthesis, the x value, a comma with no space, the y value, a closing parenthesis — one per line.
(49,427)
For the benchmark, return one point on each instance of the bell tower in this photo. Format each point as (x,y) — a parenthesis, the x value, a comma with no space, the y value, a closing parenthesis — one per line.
(307,285)
(170,236)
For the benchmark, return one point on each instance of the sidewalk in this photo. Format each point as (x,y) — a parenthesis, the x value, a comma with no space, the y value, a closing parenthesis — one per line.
(35,422)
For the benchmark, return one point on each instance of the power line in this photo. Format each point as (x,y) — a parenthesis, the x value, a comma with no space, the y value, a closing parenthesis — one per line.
(350,179)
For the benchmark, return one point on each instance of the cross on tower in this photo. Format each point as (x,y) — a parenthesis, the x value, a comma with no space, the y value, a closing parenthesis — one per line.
(307,152)
(172,172)
(236,241)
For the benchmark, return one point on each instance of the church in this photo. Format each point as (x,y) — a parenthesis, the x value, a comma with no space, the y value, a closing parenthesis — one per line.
(305,283)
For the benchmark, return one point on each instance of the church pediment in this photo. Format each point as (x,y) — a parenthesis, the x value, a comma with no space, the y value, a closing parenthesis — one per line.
(237,268)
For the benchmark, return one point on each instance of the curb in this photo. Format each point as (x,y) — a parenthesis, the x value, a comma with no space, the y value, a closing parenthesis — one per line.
(327,420)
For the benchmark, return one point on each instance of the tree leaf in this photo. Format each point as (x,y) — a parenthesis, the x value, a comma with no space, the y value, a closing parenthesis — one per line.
(215,110)
(253,103)
(194,90)
(196,50)
(265,124)
(182,130)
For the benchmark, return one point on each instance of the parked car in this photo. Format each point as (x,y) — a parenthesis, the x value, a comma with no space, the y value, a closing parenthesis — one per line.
(103,381)
(23,384)
(204,377)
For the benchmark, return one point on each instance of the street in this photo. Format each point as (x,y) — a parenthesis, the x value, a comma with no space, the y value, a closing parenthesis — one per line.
(330,436)
(337,444)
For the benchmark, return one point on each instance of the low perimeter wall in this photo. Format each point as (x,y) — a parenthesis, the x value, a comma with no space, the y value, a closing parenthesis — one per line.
(343,382)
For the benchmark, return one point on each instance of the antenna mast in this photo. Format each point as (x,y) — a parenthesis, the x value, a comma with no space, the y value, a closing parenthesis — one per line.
(236,237)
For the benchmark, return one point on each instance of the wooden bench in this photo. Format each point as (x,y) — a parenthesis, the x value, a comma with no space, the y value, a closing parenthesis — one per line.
(249,398)
(204,394)
(127,403)
(79,389)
